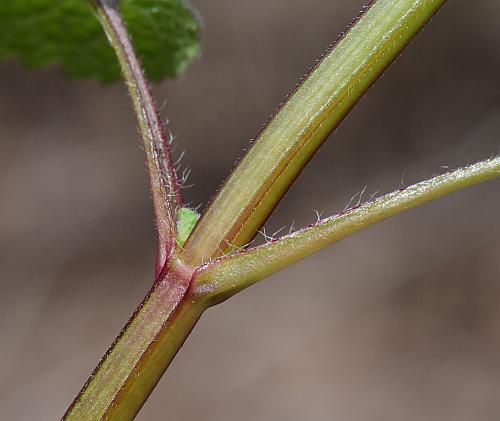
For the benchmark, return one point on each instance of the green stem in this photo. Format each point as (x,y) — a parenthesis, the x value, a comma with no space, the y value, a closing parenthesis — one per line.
(310,114)
(136,361)
(223,278)
(164,185)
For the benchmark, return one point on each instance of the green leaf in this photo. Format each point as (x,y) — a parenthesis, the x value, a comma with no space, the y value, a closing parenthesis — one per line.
(45,32)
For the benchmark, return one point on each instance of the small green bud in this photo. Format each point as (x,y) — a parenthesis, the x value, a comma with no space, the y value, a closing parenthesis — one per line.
(186,220)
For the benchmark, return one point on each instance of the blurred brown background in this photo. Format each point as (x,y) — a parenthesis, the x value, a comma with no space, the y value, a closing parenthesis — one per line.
(399,322)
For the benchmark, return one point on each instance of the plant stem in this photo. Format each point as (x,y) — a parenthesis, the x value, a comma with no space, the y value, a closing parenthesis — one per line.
(310,114)
(223,278)
(133,365)
(164,185)
(138,358)
(129,371)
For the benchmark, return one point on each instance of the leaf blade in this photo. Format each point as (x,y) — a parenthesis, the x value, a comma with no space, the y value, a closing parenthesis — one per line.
(43,32)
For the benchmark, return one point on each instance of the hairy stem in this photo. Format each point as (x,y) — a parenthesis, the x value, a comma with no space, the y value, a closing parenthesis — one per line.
(133,365)
(310,114)
(136,361)
(164,185)
(227,276)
